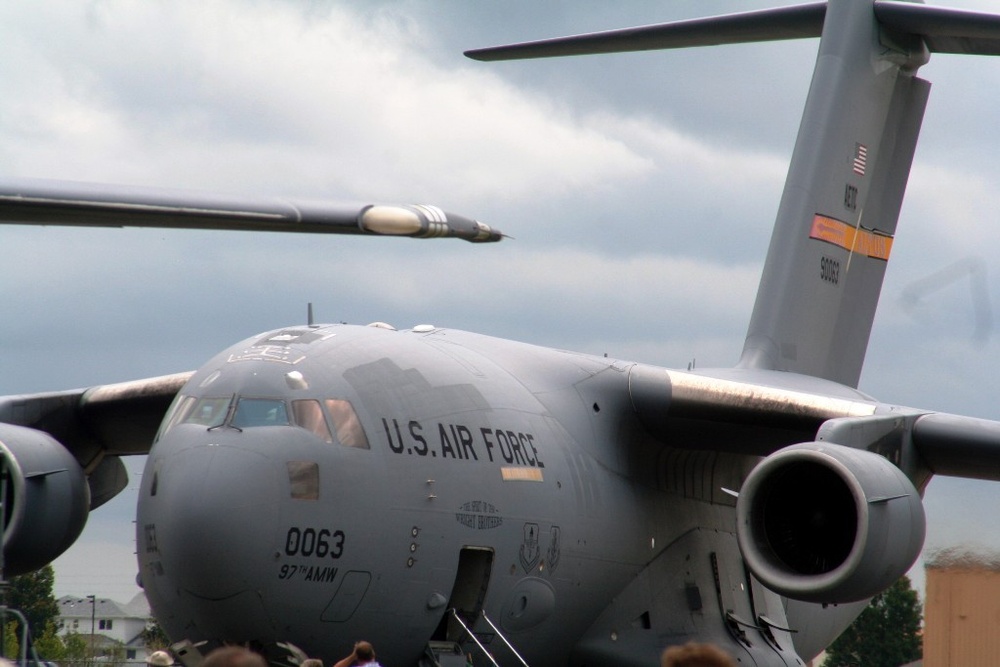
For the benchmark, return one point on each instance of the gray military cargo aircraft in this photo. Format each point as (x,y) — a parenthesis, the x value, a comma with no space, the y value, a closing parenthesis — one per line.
(440,492)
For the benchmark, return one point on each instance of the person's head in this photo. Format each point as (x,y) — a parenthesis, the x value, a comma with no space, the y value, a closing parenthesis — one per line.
(364,651)
(159,659)
(233,656)
(696,655)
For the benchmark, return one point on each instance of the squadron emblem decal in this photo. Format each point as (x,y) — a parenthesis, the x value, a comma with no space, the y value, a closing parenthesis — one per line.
(554,548)
(530,550)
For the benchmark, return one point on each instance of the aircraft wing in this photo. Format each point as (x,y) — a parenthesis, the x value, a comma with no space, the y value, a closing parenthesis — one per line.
(99,424)
(747,412)
(49,202)
(738,411)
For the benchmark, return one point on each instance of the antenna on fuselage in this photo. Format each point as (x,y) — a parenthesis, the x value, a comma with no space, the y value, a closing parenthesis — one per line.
(309,314)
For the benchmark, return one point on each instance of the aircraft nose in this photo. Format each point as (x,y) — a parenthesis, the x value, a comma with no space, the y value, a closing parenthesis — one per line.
(207,516)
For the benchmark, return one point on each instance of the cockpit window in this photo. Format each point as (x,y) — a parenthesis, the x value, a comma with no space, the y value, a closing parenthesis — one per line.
(208,412)
(260,412)
(309,415)
(186,409)
(346,423)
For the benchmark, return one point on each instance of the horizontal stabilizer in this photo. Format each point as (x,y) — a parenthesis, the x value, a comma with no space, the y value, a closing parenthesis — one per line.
(943,29)
(796,22)
(46,202)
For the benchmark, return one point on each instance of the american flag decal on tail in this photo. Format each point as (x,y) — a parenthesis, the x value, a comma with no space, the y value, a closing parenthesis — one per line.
(860,159)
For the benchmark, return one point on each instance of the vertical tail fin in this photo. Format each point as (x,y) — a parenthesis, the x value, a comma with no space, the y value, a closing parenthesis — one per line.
(838,212)
(837,217)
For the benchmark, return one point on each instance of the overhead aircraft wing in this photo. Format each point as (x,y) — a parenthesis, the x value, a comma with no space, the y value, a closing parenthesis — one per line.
(49,202)
(99,424)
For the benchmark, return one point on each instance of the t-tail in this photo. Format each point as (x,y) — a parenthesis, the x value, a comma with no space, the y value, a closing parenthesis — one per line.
(837,218)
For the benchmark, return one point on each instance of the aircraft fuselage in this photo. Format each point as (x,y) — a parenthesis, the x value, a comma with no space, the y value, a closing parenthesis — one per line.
(317,485)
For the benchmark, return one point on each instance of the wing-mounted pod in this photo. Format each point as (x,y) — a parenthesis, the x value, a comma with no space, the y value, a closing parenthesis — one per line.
(826,523)
(46,500)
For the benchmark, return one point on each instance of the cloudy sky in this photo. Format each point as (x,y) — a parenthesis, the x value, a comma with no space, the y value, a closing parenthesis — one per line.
(640,190)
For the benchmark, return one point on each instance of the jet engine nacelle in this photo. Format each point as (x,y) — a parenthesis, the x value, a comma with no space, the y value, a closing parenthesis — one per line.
(47,499)
(826,523)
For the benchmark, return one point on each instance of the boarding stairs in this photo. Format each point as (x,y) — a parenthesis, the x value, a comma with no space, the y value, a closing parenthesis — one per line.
(451,654)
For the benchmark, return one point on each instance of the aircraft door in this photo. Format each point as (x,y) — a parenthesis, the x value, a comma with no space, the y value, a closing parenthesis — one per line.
(475,564)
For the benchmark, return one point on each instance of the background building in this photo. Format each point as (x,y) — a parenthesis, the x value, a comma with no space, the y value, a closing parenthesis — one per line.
(112,623)
(962,609)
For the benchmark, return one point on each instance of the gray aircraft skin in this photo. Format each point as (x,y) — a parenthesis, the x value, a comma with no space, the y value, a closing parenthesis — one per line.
(320,484)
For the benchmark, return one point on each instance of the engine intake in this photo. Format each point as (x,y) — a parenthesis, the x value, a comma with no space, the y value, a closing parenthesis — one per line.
(821,522)
(47,499)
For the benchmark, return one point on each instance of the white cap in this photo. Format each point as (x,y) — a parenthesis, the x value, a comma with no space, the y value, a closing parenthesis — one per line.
(160,659)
